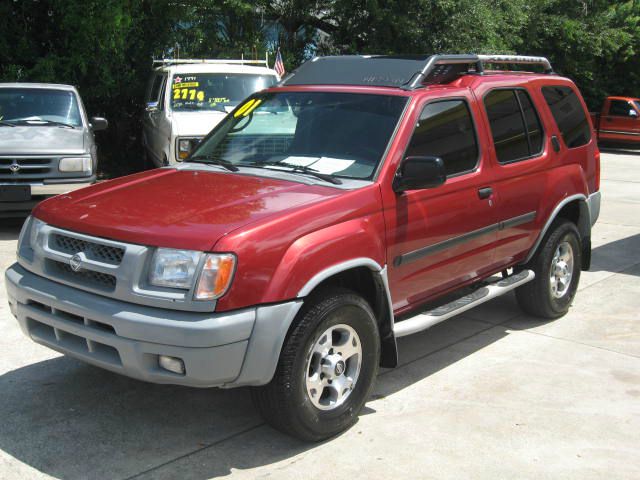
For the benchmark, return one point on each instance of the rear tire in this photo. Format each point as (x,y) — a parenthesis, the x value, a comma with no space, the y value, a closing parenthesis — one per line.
(557,265)
(326,369)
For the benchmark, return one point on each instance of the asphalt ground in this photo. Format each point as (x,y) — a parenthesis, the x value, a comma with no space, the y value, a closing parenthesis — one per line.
(489,394)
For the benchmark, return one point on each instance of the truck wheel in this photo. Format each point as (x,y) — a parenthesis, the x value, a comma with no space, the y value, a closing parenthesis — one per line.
(557,266)
(326,369)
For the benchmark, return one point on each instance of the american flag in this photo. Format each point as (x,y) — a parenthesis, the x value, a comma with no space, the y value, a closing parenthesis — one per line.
(279,65)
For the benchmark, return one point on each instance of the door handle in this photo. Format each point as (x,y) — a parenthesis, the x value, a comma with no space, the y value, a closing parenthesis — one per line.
(556,143)
(485,192)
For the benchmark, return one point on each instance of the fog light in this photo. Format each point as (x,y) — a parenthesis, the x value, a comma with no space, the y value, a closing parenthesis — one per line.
(173,364)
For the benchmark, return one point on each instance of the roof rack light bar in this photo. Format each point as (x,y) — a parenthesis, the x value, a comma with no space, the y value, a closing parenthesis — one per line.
(478,61)
(517,60)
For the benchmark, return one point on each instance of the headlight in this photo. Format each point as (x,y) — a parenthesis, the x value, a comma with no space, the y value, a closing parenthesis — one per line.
(79,164)
(185,146)
(215,278)
(174,268)
(36,229)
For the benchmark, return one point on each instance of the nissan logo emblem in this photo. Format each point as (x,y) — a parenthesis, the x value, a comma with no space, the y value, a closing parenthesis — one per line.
(14,167)
(75,262)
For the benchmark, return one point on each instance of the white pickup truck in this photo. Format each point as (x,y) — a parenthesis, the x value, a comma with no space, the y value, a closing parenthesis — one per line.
(187,98)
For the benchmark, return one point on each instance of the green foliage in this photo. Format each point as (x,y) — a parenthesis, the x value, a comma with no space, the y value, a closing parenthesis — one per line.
(105,47)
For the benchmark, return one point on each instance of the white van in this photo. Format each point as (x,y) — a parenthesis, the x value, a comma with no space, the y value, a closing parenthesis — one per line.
(187,98)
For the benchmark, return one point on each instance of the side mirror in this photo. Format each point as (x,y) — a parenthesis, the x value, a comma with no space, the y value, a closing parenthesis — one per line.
(151,107)
(633,113)
(418,173)
(98,123)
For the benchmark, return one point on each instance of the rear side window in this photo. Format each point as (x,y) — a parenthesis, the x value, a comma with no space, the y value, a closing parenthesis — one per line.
(568,114)
(619,108)
(515,127)
(446,130)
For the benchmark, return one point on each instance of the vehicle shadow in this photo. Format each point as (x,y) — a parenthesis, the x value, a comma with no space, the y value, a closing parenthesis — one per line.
(70,420)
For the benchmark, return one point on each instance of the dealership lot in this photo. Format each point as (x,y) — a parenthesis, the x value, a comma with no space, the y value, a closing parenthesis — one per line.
(490,394)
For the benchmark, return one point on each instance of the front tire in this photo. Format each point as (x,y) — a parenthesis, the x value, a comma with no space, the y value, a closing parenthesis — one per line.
(326,369)
(557,266)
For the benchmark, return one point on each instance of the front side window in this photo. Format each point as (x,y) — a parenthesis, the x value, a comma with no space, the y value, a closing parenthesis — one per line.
(215,91)
(39,107)
(515,126)
(338,134)
(568,114)
(445,130)
(620,108)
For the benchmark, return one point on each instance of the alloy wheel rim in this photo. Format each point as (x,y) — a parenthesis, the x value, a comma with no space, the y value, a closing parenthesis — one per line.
(333,367)
(561,271)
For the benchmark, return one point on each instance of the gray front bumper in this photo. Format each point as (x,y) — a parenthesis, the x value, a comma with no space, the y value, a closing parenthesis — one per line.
(224,349)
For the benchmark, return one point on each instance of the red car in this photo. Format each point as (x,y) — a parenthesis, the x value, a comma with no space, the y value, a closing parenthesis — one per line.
(618,124)
(363,199)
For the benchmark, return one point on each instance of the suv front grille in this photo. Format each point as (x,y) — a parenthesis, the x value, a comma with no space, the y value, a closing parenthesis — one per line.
(98,280)
(93,251)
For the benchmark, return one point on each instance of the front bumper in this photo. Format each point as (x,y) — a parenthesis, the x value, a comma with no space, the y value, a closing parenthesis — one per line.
(40,192)
(225,349)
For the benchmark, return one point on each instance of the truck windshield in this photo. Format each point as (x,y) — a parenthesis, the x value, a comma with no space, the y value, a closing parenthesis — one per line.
(338,134)
(39,107)
(637,104)
(215,91)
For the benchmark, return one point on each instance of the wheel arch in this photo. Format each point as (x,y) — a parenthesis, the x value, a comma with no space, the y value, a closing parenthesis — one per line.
(574,208)
(369,279)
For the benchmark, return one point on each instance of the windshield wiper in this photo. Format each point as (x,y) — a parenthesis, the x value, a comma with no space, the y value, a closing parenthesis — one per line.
(214,161)
(7,124)
(302,169)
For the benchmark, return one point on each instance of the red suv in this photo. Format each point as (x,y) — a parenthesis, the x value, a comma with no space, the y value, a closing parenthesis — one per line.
(362,199)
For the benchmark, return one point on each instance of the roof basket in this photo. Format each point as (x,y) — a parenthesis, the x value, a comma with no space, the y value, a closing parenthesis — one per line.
(217,61)
(406,72)
(445,68)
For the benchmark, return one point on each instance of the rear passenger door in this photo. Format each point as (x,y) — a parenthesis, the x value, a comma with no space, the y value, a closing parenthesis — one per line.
(520,161)
(442,237)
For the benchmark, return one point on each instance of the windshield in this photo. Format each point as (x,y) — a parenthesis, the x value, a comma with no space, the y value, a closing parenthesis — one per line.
(215,91)
(339,134)
(39,106)
(637,104)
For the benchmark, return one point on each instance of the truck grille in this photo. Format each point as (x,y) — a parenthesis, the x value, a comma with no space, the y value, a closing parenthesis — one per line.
(93,251)
(17,170)
(97,280)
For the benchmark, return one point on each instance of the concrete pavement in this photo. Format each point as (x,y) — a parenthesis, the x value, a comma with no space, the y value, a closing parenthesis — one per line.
(491,394)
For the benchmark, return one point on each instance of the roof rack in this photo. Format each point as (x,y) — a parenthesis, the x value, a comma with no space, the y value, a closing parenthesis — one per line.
(217,61)
(406,72)
(438,68)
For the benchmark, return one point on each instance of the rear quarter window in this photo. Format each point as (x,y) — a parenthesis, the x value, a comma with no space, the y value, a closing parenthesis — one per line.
(569,115)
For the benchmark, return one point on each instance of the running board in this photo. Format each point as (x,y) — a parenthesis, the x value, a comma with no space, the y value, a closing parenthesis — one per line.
(428,319)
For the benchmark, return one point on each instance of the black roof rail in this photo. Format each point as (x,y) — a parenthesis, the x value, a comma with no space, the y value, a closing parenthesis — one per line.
(400,71)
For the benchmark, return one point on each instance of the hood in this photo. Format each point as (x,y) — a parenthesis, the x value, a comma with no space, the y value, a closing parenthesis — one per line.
(195,124)
(176,208)
(39,140)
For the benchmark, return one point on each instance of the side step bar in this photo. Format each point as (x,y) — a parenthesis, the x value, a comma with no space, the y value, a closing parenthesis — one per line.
(428,319)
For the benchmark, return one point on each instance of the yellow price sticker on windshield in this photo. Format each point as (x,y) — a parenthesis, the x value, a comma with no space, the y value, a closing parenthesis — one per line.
(188,94)
(186,85)
(247,108)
